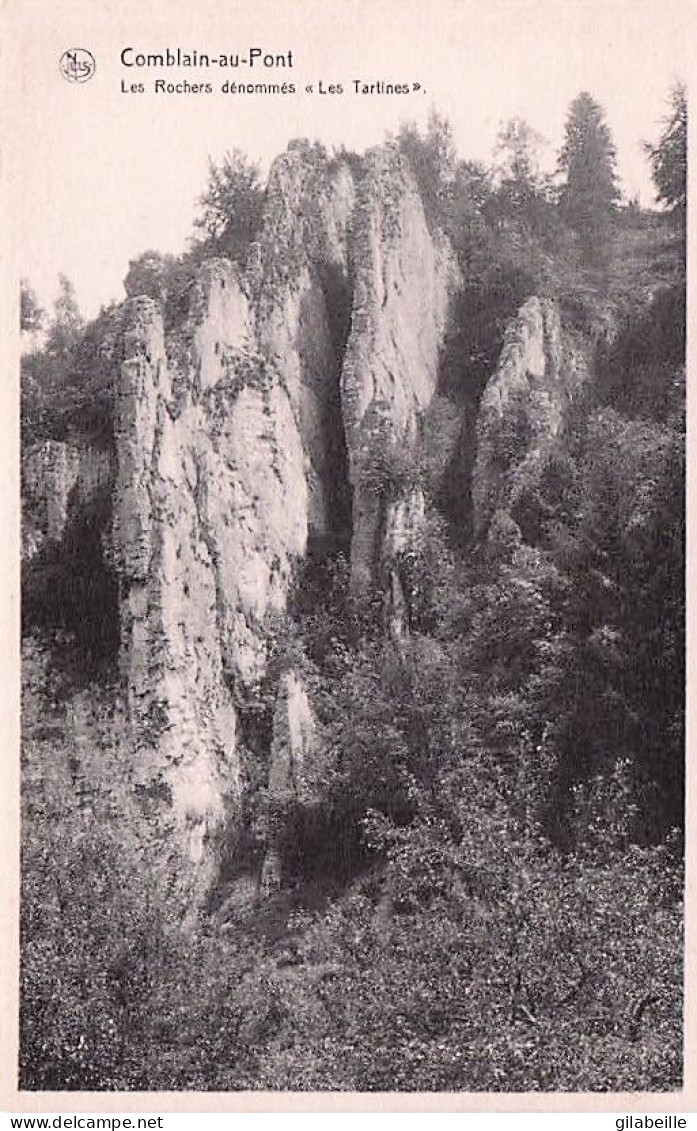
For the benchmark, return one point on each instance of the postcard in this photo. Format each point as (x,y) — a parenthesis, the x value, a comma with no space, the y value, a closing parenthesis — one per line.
(345,606)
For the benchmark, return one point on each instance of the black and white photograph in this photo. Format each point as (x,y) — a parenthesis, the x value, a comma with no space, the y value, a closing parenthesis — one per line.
(350,390)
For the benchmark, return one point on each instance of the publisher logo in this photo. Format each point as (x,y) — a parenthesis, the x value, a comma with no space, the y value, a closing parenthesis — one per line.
(77,64)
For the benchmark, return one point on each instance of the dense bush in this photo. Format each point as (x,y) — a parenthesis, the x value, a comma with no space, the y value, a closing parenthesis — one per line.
(465,954)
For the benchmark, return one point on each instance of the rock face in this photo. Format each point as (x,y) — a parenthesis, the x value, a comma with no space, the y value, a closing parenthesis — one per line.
(224,432)
(294,741)
(293,766)
(299,280)
(210,514)
(241,437)
(404,280)
(58,479)
(523,407)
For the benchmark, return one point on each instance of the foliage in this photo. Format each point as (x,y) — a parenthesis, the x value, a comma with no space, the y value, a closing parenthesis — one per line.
(67,322)
(45,373)
(432,160)
(641,371)
(30,313)
(521,188)
(230,209)
(622,550)
(520,980)
(668,157)
(343,156)
(468,955)
(587,159)
(517,152)
(168,279)
(149,275)
(67,387)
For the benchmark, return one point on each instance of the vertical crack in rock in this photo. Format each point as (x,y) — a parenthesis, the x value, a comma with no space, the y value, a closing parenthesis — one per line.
(299,280)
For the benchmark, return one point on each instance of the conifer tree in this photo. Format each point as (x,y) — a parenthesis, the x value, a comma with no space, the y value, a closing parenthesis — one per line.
(587,158)
(669,156)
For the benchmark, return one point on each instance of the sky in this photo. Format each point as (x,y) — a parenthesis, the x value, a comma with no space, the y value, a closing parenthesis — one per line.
(102,175)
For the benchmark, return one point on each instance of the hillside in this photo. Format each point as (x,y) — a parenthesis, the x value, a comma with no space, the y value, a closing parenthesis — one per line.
(353,645)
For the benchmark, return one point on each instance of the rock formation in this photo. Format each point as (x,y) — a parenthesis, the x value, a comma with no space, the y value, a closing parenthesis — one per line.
(294,741)
(240,436)
(293,766)
(523,405)
(299,280)
(405,278)
(284,411)
(210,514)
(58,480)
(223,435)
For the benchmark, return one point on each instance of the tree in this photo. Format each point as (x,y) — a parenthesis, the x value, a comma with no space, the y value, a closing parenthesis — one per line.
(67,324)
(521,205)
(167,279)
(231,207)
(433,161)
(618,542)
(30,313)
(588,160)
(149,275)
(668,157)
(517,154)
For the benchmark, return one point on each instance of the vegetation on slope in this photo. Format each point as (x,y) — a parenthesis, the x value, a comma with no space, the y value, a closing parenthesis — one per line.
(487,894)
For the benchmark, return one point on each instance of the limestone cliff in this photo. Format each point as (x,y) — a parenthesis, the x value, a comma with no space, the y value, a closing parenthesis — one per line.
(404,280)
(299,280)
(523,406)
(224,430)
(210,514)
(239,435)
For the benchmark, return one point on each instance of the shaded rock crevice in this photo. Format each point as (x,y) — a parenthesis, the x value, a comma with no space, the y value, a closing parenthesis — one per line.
(68,583)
